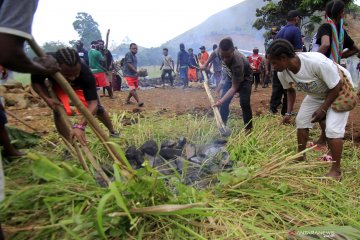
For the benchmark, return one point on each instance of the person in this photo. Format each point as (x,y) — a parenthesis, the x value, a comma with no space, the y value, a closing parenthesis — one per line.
(267,68)
(116,80)
(332,35)
(108,66)
(216,65)
(131,74)
(204,56)
(237,68)
(292,33)
(304,49)
(167,67)
(193,66)
(96,64)
(255,61)
(182,65)
(83,53)
(320,78)
(13,33)
(83,82)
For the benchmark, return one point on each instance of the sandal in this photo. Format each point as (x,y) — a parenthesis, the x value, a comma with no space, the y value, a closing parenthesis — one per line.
(325,158)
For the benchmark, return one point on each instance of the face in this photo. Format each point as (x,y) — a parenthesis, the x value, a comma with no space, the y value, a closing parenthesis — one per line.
(226,56)
(133,49)
(190,52)
(101,45)
(202,50)
(165,52)
(70,73)
(278,64)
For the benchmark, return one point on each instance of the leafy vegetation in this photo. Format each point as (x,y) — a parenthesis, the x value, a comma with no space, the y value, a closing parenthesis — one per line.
(87,28)
(266,195)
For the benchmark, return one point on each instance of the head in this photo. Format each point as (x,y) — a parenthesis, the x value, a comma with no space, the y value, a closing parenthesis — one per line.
(69,62)
(79,44)
(335,9)
(215,47)
(133,48)
(256,50)
(202,49)
(165,51)
(226,50)
(294,17)
(190,51)
(279,53)
(94,45)
(101,44)
(182,47)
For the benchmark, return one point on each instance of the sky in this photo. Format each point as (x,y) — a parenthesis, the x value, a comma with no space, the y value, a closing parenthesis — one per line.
(148,23)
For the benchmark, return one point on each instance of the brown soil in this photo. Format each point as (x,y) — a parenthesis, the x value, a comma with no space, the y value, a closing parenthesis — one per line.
(174,101)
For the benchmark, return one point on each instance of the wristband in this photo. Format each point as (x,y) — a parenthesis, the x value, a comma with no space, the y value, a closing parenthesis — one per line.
(79,126)
(290,114)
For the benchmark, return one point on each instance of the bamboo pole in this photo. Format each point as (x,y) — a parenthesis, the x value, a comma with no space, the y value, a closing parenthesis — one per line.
(224,131)
(63,83)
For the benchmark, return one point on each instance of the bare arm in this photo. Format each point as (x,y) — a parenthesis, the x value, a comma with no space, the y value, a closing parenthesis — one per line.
(210,59)
(132,67)
(13,57)
(291,96)
(92,107)
(325,44)
(350,52)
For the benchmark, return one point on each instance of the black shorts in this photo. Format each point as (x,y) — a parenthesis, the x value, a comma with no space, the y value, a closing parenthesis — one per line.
(3,118)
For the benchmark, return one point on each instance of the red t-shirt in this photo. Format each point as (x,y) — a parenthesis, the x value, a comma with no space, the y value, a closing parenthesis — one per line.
(255,61)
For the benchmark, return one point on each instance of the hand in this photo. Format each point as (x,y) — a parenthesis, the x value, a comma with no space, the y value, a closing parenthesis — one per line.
(286,120)
(218,103)
(52,103)
(318,115)
(49,63)
(79,135)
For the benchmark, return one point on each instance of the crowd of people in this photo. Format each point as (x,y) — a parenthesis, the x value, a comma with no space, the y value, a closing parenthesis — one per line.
(318,73)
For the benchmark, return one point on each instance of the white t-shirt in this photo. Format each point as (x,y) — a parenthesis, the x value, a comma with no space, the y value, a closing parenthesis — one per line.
(317,75)
(167,60)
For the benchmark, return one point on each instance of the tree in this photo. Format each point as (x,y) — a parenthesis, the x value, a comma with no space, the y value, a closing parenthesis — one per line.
(87,28)
(274,13)
(53,46)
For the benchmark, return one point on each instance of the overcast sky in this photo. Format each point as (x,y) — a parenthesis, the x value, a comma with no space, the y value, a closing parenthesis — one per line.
(148,23)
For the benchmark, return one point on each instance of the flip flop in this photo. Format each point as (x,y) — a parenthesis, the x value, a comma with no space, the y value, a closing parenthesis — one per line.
(325,158)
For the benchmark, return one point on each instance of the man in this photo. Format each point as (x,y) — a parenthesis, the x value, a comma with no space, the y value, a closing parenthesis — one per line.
(131,74)
(83,82)
(216,65)
(193,66)
(108,66)
(96,64)
(167,67)
(204,56)
(321,79)
(182,65)
(255,61)
(16,19)
(292,33)
(237,68)
(83,54)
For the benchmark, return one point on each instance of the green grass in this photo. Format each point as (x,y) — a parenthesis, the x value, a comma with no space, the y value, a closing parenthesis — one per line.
(265,195)
(24,78)
(153,71)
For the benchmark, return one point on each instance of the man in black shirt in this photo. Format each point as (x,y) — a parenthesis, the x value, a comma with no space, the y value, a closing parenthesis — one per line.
(83,83)
(83,54)
(108,66)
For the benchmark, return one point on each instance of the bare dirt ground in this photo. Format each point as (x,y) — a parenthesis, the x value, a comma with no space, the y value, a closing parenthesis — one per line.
(175,101)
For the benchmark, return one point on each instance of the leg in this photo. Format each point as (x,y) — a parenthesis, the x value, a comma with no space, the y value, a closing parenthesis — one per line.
(9,149)
(110,92)
(163,77)
(104,117)
(257,80)
(284,102)
(276,94)
(245,94)
(171,78)
(302,138)
(103,91)
(224,108)
(61,126)
(336,147)
(322,139)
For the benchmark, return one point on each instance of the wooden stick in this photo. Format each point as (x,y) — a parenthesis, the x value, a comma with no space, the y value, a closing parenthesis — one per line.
(21,121)
(224,131)
(63,83)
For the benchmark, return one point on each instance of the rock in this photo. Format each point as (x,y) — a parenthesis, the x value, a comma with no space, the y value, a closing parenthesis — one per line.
(170,153)
(179,162)
(220,142)
(210,150)
(18,100)
(168,144)
(163,166)
(151,159)
(150,147)
(196,160)
(2,90)
(134,157)
(181,142)
(29,118)
(190,151)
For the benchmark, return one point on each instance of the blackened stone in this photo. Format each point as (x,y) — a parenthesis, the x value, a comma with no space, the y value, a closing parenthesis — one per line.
(196,160)
(135,157)
(220,142)
(179,162)
(150,147)
(170,153)
(181,142)
(168,144)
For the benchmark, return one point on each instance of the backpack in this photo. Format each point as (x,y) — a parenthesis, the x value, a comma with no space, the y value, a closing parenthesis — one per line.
(255,63)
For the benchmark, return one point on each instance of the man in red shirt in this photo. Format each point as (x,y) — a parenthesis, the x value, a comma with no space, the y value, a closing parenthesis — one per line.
(255,62)
(203,58)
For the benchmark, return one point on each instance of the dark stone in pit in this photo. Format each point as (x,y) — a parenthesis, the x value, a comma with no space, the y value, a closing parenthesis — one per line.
(135,157)
(168,144)
(150,147)
(181,142)
(170,153)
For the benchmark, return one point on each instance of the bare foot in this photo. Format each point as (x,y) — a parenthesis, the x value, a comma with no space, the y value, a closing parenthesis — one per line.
(13,153)
(334,174)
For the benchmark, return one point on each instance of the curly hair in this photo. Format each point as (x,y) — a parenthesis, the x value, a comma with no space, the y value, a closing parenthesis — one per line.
(68,56)
(279,48)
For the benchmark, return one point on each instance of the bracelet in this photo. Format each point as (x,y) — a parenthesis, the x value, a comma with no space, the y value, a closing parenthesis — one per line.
(324,111)
(79,126)
(290,114)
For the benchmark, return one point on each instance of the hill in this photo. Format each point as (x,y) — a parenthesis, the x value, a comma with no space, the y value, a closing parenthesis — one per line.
(235,22)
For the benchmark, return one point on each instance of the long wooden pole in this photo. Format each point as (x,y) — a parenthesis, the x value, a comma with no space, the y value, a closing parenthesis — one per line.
(63,83)
(224,131)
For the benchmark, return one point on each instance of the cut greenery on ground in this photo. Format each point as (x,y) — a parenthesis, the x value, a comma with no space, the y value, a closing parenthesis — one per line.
(266,195)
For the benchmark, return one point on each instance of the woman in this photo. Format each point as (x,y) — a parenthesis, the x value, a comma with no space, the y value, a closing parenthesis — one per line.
(319,77)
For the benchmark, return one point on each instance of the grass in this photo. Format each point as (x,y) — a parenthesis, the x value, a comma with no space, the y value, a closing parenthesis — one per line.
(265,196)
(24,78)
(153,71)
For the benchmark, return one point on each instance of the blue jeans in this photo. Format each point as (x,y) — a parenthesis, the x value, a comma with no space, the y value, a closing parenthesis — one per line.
(245,94)
(183,75)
